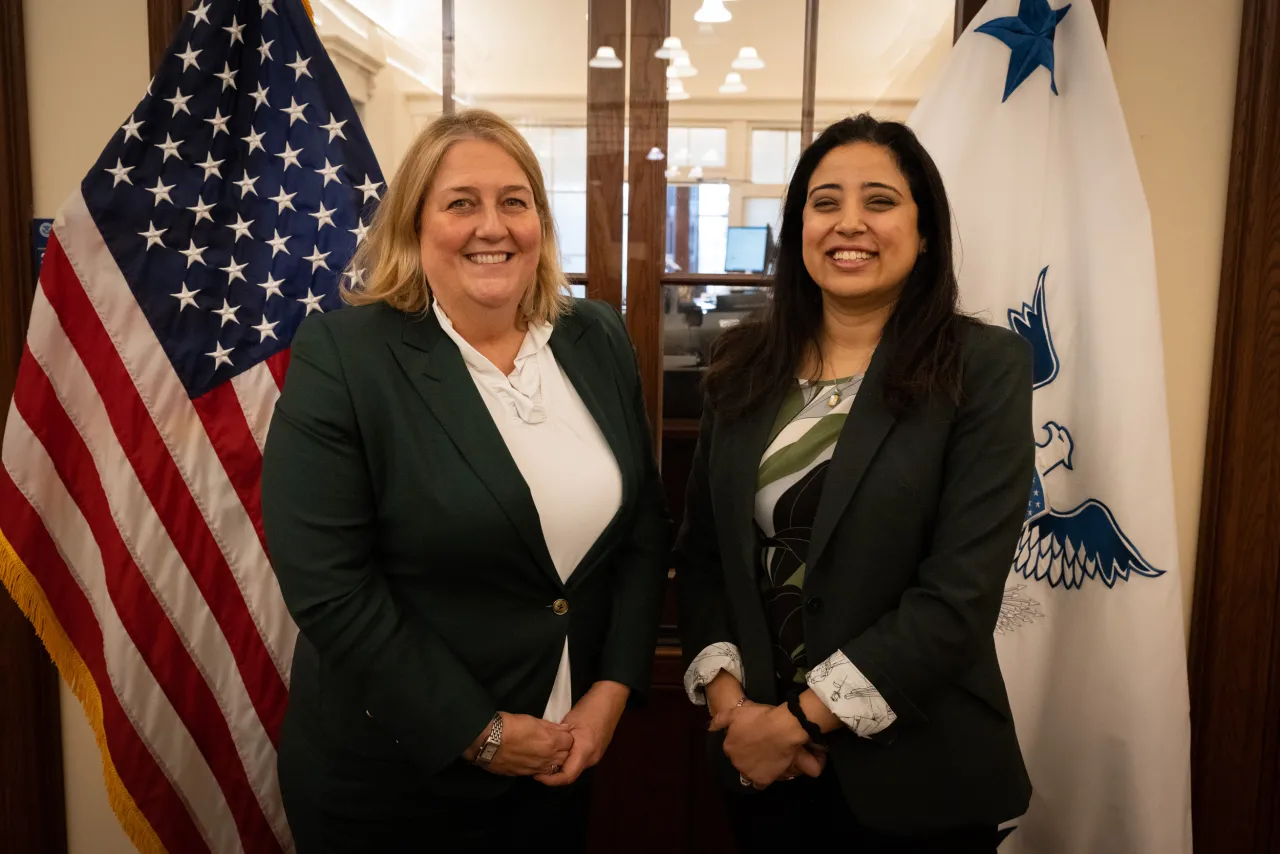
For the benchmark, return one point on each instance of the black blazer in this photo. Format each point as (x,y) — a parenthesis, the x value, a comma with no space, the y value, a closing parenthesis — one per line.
(913,538)
(409,550)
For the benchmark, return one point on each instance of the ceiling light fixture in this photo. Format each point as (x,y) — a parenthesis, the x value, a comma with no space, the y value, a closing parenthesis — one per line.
(712,12)
(670,48)
(732,84)
(748,60)
(675,90)
(605,58)
(681,67)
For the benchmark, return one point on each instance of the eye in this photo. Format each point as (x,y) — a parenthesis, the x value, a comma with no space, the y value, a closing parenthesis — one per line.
(880,202)
(824,204)
(457,204)
(515,202)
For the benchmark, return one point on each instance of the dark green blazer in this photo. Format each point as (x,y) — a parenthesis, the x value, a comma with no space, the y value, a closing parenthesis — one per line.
(410,553)
(912,541)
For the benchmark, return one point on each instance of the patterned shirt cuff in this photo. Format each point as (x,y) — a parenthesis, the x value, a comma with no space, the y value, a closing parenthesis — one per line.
(849,695)
(707,665)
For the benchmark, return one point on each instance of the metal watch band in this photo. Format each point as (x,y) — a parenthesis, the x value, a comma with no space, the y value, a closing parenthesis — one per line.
(492,743)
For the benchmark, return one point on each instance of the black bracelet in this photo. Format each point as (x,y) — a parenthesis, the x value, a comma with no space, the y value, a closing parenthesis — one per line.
(797,711)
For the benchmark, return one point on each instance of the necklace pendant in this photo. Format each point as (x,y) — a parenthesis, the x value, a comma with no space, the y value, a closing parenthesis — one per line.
(833,400)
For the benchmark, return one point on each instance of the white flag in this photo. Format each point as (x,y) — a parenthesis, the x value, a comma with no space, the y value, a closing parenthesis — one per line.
(1054,240)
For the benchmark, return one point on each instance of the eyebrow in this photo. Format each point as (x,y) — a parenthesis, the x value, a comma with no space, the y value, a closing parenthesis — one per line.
(507,189)
(867,185)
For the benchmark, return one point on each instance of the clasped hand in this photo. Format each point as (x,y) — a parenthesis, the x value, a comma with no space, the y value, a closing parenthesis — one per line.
(766,744)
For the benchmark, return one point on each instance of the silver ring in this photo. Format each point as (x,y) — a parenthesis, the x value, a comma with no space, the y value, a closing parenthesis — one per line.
(742,778)
(555,769)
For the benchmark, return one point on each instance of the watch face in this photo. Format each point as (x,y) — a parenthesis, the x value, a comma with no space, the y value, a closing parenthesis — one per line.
(487,753)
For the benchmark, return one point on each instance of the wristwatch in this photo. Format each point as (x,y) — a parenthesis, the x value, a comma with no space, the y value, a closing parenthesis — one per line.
(492,743)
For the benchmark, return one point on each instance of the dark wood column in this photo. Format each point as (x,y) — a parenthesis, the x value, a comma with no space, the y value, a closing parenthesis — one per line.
(1235,633)
(647,233)
(32,806)
(606,120)
(966,9)
(163,17)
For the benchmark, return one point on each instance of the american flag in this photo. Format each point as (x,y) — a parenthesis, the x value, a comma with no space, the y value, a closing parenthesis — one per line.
(220,214)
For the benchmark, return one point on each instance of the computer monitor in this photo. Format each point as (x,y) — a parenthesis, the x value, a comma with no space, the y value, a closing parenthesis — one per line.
(746,249)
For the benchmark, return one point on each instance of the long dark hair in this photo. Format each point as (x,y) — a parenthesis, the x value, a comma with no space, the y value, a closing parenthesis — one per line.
(756,359)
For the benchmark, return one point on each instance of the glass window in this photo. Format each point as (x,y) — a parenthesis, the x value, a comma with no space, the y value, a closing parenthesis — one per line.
(763,210)
(773,155)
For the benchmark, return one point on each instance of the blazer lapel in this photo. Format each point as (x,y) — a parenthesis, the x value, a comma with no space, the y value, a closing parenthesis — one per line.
(581,352)
(435,367)
(868,423)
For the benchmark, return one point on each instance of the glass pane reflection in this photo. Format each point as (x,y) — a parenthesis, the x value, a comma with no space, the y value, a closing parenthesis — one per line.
(693,317)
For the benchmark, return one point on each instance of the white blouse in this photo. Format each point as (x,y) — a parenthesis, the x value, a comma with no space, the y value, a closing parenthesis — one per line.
(570,470)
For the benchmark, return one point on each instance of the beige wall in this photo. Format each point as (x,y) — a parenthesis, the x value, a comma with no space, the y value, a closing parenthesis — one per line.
(1175,68)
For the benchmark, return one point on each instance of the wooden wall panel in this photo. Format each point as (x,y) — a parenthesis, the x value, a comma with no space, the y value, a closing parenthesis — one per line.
(606,120)
(1235,643)
(32,808)
(163,18)
(647,235)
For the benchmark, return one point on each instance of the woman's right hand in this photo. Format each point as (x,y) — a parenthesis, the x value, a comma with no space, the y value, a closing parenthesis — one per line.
(529,746)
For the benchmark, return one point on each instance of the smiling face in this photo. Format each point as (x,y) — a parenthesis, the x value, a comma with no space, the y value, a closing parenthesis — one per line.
(860,239)
(480,236)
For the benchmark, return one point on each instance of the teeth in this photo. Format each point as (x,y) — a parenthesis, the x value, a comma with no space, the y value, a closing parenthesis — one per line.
(851,255)
(489,258)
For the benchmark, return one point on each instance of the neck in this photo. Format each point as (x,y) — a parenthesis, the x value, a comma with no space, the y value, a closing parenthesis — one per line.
(849,336)
(496,333)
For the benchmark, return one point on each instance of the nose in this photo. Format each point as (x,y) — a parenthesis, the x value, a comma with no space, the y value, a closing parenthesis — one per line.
(851,223)
(490,226)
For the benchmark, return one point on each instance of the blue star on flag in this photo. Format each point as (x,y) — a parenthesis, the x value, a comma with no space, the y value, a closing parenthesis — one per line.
(1030,40)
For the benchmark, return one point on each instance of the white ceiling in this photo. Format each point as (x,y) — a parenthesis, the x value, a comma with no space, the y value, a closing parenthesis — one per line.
(868,50)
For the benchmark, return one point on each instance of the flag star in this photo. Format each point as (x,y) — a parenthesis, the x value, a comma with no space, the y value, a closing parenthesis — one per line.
(264,50)
(194,254)
(330,173)
(210,166)
(283,200)
(169,147)
(290,156)
(240,227)
(200,13)
(120,172)
(234,270)
(235,30)
(324,216)
(312,301)
(277,243)
(227,76)
(260,97)
(266,330)
(153,235)
(369,188)
(189,58)
(219,122)
(150,83)
(131,129)
(246,185)
(186,297)
(267,6)
(335,128)
(161,190)
(179,101)
(272,286)
(356,274)
(201,210)
(227,313)
(359,231)
(294,110)
(299,66)
(317,260)
(221,355)
(255,140)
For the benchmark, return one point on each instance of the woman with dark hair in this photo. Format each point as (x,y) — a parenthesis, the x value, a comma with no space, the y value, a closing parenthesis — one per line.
(863,469)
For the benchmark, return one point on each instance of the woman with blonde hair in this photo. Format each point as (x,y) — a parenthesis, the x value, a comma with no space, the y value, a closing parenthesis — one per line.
(466,519)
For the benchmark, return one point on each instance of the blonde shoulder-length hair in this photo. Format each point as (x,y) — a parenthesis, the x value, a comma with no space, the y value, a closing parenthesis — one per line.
(388,261)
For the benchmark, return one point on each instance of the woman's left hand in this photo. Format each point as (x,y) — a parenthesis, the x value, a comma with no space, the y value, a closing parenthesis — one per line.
(591,721)
(764,742)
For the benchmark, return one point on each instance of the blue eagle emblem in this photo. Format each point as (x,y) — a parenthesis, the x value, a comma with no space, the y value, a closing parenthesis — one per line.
(1065,546)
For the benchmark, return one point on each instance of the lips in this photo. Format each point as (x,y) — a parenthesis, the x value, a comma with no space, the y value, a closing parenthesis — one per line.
(489,257)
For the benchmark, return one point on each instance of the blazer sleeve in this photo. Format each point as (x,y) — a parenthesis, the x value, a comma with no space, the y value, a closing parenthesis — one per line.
(319,514)
(642,559)
(941,623)
(702,598)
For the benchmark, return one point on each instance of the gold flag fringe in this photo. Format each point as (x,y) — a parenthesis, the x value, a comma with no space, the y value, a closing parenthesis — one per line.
(306,4)
(26,591)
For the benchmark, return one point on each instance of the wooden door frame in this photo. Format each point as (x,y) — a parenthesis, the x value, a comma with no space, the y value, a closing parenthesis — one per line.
(1235,628)
(32,803)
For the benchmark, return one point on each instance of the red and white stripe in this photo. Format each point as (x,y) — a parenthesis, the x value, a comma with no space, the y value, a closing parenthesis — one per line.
(137,511)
